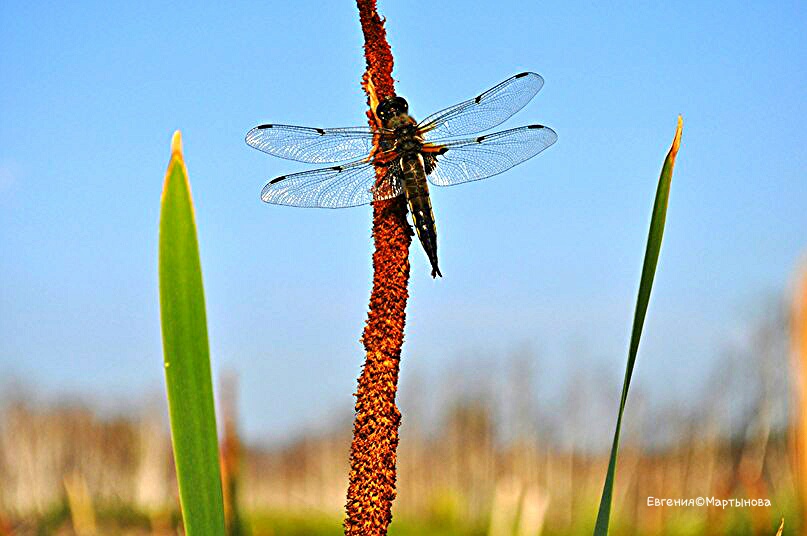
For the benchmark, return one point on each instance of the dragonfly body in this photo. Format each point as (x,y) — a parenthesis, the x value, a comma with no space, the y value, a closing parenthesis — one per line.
(393,113)
(405,154)
(416,189)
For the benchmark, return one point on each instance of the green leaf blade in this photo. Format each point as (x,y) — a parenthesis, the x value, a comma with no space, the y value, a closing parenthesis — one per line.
(187,356)
(654,238)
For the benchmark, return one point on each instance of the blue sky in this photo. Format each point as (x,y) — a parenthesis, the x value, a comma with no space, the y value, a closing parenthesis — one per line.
(546,255)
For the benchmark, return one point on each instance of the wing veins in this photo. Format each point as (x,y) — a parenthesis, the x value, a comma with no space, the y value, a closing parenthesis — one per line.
(313,145)
(485,111)
(472,159)
(341,186)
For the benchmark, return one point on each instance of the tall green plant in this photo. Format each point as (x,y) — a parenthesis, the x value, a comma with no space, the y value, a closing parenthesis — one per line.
(645,286)
(187,355)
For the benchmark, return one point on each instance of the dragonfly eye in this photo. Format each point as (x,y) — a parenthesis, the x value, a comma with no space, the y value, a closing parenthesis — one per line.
(401,104)
(384,108)
(390,107)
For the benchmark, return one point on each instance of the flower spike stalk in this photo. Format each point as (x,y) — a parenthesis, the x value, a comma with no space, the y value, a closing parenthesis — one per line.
(375,429)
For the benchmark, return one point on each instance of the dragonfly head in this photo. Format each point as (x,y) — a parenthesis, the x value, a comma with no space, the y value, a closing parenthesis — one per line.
(390,109)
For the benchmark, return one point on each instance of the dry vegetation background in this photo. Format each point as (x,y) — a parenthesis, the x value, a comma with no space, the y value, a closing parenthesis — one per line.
(479,454)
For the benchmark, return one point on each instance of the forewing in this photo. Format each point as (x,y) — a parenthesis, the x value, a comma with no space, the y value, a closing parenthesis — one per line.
(491,108)
(348,185)
(478,158)
(312,145)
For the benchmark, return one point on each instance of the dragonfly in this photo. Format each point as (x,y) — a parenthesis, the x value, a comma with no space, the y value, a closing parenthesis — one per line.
(403,156)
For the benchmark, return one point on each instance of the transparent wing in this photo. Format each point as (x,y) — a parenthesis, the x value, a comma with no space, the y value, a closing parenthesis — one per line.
(491,108)
(348,185)
(312,145)
(478,158)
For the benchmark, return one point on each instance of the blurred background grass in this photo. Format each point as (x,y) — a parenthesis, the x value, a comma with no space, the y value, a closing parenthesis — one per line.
(478,455)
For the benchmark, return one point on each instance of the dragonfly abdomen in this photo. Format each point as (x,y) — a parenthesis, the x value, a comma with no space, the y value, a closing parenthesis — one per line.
(420,205)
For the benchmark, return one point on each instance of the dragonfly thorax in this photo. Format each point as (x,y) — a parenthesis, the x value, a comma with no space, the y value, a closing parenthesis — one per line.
(407,138)
(408,144)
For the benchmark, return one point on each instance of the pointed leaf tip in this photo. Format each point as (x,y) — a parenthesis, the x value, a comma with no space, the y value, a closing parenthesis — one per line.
(176,159)
(176,143)
(677,139)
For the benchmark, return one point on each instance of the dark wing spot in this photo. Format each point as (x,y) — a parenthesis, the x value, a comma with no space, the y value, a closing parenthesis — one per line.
(442,150)
(277,179)
(521,75)
(321,131)
(337,168)
(536,126)
(479,98)
(479,139)
(264,126)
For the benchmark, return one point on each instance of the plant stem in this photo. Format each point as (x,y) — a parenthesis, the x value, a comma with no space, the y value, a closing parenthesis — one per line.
(375,429)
